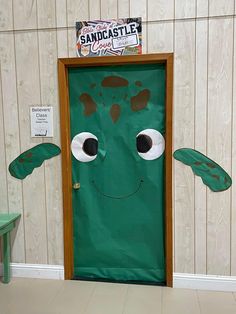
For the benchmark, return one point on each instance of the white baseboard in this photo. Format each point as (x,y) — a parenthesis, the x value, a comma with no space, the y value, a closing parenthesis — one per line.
(36,271)
(180,280)
(204,282)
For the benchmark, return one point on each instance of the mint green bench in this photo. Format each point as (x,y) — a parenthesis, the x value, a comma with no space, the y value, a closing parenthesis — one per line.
(7,223)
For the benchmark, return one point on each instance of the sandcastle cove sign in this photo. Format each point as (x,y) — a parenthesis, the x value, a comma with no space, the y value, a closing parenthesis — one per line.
(110,37)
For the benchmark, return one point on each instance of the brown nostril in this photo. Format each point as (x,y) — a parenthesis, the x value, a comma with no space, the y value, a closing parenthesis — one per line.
(115,112)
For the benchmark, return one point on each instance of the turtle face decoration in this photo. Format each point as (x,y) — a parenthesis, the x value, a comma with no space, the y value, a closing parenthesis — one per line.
(132,139)
(118,135)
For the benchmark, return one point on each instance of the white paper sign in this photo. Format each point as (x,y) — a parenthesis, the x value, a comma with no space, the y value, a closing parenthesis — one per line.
(122,42)
(41,118)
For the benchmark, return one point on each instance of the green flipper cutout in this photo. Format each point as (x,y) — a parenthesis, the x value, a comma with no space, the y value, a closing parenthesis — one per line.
(24,164)
(210,172)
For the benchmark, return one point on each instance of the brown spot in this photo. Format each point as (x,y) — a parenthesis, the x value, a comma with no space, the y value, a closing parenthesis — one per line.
(140,101)
(226,180)
(138,83)
(100,94)
(210,165)
(115,112)
(89,104)
(29,155)
(215,176)
(197,163)
(21,160)
(92,85)
(114,81)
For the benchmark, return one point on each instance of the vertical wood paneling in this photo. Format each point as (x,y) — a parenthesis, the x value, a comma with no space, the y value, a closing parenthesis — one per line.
(219,7)
(233,192)
(62,43)
(12,140)
(109,9)
(184,137)
(160,10)
(202,8)
(160,37)
(138,9)
(28,84)
(219,141)
(3,185)
(123,8)
(71,43)
(62,34)
(25,15)
(185,9)
(61,13)
(46,13)
(6,21)
(62,51)
(144,38)
(94,9)
(200,142)
(77,11)
(49,96)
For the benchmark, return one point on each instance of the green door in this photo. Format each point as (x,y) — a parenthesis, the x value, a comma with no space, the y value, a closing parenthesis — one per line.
(117,116)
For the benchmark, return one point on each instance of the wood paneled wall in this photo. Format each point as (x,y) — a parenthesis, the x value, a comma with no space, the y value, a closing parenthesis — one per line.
(201,33)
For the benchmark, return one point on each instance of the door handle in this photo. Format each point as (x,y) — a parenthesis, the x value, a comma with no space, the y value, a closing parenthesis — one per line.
(76,186)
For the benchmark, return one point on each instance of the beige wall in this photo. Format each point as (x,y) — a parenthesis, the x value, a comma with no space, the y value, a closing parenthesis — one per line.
(33,34)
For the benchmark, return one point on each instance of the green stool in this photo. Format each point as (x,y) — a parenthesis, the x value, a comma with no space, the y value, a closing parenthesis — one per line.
(7,223)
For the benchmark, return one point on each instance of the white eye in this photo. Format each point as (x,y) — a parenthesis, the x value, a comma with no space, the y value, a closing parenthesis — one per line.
(150,144)
(84,146)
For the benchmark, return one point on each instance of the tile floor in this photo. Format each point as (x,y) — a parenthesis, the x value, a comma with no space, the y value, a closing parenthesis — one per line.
(35,296)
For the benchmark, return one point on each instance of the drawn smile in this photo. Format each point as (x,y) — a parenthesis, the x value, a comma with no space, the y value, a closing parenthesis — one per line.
(121,196)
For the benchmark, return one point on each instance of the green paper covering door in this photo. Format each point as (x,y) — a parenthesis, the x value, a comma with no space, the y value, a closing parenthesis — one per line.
(117,129)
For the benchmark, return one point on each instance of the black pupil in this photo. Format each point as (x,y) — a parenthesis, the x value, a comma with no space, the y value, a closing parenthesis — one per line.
(143,143)
(90,146)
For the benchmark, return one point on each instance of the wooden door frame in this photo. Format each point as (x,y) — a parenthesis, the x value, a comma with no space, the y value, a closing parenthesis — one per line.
(63,65)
